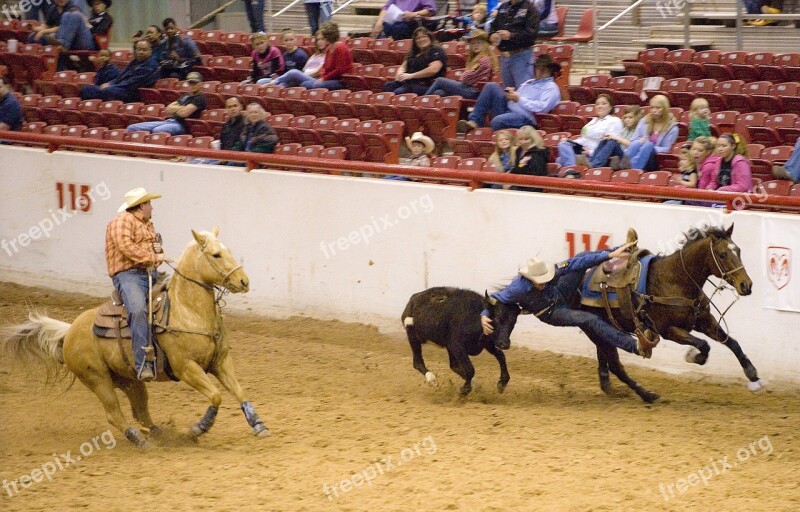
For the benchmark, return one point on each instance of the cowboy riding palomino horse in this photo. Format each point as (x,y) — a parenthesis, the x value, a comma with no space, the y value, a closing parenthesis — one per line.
(193,342)
(670,302)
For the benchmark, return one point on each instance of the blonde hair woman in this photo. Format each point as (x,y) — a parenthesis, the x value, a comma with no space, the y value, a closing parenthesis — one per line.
(655,133)
(532,156)
(481,65)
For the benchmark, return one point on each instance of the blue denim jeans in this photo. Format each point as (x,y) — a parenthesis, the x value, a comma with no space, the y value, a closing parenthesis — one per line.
(72,33)
(566,156)
(793,164)
(408,86)
(399,30)
(132,287)
(318,13)
(517,68)
(255,14)
(596,328)
(604,151)
(449,87)
(296,78)
(548,29)
(752,6)
(169,126)
(642,155)
(492,100)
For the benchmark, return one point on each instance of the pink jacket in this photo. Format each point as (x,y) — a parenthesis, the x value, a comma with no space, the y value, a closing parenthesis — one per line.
(741,176)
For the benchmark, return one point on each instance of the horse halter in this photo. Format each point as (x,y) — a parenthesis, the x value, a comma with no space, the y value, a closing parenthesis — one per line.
(723,275)
(220,289)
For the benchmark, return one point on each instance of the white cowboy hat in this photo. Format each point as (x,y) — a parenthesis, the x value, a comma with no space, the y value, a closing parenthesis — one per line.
(538,271)
(137,196)
(424,139)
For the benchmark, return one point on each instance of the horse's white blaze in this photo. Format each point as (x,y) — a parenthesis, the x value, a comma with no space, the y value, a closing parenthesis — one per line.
(430,377)
(409,321)
(732,247)
(755,386)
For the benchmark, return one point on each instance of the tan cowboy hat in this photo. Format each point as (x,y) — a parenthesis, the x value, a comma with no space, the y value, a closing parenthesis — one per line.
(477,34)
(538,271)
(136,197)
(424,139)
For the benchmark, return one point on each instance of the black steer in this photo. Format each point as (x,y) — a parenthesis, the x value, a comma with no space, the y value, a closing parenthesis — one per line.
(451,317)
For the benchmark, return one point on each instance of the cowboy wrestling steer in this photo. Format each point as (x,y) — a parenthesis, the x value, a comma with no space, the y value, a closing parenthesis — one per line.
(451,317)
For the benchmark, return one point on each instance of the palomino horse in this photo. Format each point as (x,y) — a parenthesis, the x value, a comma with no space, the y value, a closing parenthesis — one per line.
(675,304)
(194,343)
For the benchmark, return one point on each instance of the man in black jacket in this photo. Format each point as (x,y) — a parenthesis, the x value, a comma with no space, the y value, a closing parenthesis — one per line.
(514,32)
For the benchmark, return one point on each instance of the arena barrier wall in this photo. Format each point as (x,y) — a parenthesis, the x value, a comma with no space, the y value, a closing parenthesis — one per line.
(355,249)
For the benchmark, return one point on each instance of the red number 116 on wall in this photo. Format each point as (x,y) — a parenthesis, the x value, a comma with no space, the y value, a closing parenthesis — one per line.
(580,241)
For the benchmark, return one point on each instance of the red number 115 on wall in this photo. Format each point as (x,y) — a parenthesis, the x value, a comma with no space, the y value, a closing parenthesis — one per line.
(74,196)
(580,241)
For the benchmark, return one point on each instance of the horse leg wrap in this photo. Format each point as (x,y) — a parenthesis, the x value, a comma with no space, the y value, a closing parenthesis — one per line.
(206,422)
(135,437)
(252,418)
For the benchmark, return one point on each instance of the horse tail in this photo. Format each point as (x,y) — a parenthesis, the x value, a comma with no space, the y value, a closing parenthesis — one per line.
(39,341)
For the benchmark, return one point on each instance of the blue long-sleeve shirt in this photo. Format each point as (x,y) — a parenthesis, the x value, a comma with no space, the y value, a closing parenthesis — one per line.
(536,97)
(665,139)
(523,292)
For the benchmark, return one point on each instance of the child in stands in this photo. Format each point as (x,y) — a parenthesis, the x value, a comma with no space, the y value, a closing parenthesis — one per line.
(267,60)
(105,71)
(700,115)
(294,57)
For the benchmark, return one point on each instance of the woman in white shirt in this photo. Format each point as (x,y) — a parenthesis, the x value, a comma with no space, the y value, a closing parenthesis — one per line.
(570,151)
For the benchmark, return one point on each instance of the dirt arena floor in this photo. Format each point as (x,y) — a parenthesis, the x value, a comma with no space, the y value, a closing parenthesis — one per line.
(343,400)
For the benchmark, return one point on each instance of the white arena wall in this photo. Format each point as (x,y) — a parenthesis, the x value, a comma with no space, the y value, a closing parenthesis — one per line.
(355,249)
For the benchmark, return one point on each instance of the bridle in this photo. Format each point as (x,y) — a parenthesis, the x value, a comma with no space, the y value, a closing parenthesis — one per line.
(723,285)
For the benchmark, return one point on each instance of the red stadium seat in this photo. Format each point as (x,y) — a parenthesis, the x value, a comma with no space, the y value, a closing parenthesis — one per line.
(778,71)
(749,71)
(655,178)
(777,187)
(598,174)
(695,70)
(722,71)
(587,91)
(334,153)
(641,67)
(289,149)
(668,68)
(627,176)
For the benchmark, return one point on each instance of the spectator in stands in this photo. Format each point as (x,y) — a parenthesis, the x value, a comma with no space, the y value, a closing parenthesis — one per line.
(791,169)
(767,7)
(631,116)
(655,133)
(142,71)
(514,32)
(581,151)
(504,158)
(267,60)
(255,14)
(100,21)
(420,146)
(548,17)
(481,65)
(313,66)
(64,25)
(294,57)
(700,115)
(181,52)
(512,108)
(424,63)
(155,37)
(403,26)
(338,62)
(105,71)
(10,111)
(257,135)
(318,12)
(476,20)
(728,170)
(687,167)
(532,156)
(231,130)
(188,106)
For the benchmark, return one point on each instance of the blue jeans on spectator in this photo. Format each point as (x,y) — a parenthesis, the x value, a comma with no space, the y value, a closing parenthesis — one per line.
(517,68)
(448,87)
(255,14)
(318,13)
(793,164)
(405,87)
(72,33)
(132,287)
(170,126)
(597,329)
(642,155)
(296,78)
(604,151)
(752,6)
(492,100)
(566,156)
(548,29)
(400,29)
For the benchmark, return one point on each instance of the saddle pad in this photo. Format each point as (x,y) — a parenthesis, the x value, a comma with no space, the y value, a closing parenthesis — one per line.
(594,298)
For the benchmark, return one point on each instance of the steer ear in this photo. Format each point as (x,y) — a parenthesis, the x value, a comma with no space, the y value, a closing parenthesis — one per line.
(489,300)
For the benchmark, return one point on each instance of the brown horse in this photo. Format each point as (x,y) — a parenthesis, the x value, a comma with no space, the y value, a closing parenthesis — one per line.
(675,304)
(194,343)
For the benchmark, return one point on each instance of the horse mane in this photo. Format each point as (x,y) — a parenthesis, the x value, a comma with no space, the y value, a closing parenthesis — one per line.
(697,234)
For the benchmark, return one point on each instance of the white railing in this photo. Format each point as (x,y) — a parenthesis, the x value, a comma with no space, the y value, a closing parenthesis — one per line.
(597,30)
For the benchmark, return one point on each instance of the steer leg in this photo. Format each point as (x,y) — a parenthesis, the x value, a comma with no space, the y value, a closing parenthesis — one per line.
(501,358)
(416,350)
(460,363)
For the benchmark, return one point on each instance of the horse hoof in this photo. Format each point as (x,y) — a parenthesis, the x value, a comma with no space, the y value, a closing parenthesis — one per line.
(649,397)
(261,430)
(430,378)
(755,386)
(694,356)
(605,385)
(501,386)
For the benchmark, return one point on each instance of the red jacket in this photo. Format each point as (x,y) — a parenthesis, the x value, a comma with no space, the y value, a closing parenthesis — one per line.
(338,62)
(741,175)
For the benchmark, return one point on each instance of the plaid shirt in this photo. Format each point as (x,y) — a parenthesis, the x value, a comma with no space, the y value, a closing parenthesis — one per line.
(129,243)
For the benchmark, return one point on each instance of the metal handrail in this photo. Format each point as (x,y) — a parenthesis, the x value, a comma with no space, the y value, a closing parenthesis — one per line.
(472,179)
(610,22)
